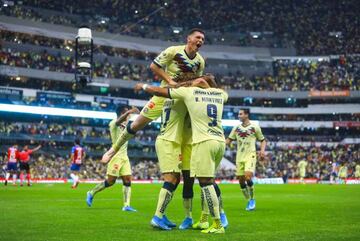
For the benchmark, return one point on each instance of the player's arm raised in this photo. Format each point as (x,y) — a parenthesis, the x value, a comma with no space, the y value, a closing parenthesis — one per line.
(159,64)
(36,148)
(123,117)
(152,90)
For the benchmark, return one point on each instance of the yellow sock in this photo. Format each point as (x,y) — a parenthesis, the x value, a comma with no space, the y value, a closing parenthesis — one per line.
(187,202)
(126,195)
(164,199)
(212,201)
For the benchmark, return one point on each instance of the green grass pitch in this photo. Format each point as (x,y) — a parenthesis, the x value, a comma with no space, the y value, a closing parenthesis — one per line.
(284,212)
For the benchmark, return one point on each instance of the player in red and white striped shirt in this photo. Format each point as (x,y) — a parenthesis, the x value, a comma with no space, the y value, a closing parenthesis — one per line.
(24,157)
(77,157)
(12,159)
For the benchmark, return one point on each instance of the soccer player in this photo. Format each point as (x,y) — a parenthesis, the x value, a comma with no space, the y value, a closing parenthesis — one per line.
(188,193)
(119,165)
(77,158)
(24,157)
(302,170)
(334,172)
(174,64)
(168,149)
(246,134)
(343,172)
(357,170)
(205,107)
(12,159)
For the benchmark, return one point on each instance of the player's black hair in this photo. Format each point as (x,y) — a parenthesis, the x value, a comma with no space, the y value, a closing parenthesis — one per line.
(193,30)
(246,110)
(120,109)
(77,141)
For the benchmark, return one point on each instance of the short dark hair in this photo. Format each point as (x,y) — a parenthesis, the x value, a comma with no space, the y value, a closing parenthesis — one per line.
(193,30)
(120,109)
(77,141)
(246,110)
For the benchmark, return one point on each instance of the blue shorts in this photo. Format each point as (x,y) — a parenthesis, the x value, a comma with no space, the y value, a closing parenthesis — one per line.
(12,166)
(75,167)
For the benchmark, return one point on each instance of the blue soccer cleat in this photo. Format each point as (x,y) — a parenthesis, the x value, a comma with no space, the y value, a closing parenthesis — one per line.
(250,205)
(157,222)
(224,220)
(129,209)
(186,224)
(89,198)
(168,222)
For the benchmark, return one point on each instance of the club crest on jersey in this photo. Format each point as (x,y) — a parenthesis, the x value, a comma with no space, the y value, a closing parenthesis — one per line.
(246,133)
(151,105)
(116,166)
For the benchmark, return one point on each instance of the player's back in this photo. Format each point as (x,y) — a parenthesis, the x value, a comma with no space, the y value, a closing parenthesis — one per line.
(78,154)
(13,155)
(205,107)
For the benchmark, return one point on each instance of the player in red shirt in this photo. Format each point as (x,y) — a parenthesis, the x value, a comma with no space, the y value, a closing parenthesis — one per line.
(77,158)
(24,157)
(12,159)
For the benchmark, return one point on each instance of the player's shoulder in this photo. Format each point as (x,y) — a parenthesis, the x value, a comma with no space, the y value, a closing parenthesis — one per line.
(175,48)
(112,122)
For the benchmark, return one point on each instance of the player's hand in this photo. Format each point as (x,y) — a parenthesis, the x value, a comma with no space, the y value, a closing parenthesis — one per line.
(138,87)
(108,155)
(262,155)
(134,110)
(172,83)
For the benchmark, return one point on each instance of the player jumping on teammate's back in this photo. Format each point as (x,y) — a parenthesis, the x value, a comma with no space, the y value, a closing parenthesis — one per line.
(12,159)
(205,107)
(246,135)
(24,157)
(119,165)
(77,158)
(174,64)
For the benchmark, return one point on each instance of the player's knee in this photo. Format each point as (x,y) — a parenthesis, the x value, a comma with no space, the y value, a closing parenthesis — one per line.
(249,183)
(109,182)
(169,186)
(205,182)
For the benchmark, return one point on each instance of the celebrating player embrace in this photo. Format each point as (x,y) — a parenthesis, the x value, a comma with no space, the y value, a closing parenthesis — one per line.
(205,107)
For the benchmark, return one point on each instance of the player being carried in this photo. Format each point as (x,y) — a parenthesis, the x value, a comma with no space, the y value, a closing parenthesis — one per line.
(119,165)
(24,157)
(246,134)
(205,107)
(77,158)
(174,64)
(12,159)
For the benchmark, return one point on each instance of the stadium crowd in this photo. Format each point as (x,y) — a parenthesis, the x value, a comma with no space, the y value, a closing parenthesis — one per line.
(289,75)
(330,26)
(280,161)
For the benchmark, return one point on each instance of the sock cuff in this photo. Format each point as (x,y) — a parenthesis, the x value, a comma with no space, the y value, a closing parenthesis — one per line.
(127,184)
(243,185)
(169,186)
(106,183)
